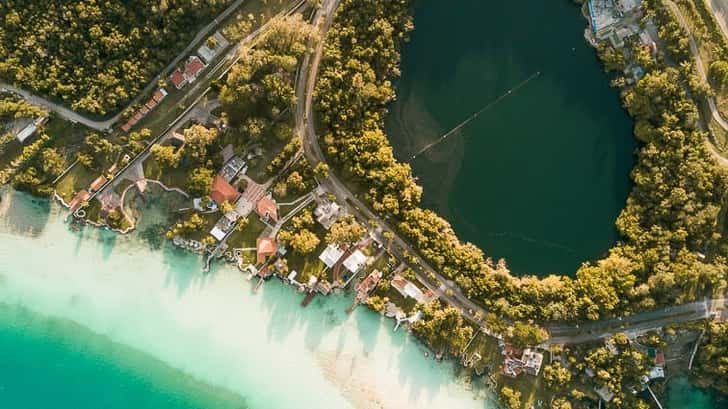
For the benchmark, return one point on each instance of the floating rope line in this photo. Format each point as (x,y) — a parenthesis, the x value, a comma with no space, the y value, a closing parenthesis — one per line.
(475,115)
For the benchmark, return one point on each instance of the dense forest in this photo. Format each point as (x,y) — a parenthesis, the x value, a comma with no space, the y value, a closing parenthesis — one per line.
(95,55)
(672,248)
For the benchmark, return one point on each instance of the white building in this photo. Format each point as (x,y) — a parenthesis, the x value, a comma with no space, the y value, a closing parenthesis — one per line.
(213,47)
(407,288)
(327,213)
(30,129)
(331,255)
(355,261)
(532,361)
(657,372)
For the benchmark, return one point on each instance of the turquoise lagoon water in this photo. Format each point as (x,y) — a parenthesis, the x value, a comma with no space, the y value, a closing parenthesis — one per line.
(681,394)
(93,320)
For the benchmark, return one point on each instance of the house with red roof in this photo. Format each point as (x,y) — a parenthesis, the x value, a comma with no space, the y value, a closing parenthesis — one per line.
(178,79)
(264,248)
(78,200)
(159,94)
(267,208)
(98,183)
(222,191)
(193,66)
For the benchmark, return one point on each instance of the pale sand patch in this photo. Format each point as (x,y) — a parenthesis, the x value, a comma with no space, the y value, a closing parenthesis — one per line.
(263,347)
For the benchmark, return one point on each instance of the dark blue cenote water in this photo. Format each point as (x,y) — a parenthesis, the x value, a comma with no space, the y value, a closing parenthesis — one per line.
(540,177)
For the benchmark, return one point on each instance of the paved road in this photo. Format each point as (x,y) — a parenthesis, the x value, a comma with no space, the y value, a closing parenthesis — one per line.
(306,128)
(703,73)
(635,324)
(720,10)
(228,61)
(106,125)
(449,292)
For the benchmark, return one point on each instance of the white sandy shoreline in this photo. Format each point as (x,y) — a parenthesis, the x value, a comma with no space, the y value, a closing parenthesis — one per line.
(264,347)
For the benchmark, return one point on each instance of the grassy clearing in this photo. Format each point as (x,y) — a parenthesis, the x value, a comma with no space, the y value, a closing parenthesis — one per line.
(9,152)
(204,231)
(720,136)
(79,177)
(248,236)
(490,355)
(174,177)
(407,304)
(257,166)
(531,388)
(122,185)
(66,136)
(93,211)
(306,266)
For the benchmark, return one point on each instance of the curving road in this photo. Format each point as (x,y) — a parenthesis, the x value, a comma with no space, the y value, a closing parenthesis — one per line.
(703,73)
(720,10)
(305,128)
(105,125)
(226,62)
(449,292)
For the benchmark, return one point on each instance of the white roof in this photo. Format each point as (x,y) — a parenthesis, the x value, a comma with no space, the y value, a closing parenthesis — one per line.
(331,255)
(217,233)
(355,261)
(414,292)
(26,132)
(293,275)
(657,372)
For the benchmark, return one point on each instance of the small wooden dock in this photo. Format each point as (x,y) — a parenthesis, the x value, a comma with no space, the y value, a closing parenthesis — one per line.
(308,298)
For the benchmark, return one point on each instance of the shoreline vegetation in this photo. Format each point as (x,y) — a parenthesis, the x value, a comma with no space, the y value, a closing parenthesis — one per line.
(673,248)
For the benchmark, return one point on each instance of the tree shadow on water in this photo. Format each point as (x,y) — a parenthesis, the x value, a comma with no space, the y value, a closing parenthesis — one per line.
(23,214)
(183,268)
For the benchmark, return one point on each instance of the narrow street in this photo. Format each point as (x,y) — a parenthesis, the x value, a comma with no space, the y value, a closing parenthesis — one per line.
(449,292)
(105,125)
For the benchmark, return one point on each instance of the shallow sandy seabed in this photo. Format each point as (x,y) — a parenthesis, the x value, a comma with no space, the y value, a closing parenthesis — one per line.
(262,346)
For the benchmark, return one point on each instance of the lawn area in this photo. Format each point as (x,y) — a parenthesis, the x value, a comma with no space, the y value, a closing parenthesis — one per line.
(174,177)
(306,266)
(487,347)
(79,177)
(407,304)
(381,263)
(531,388)
(247,237)
(257,166)
(93,211)
(719,136)
(66,136)
(204,231)
(122,185)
